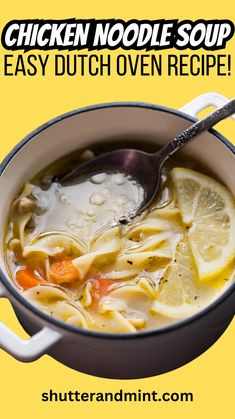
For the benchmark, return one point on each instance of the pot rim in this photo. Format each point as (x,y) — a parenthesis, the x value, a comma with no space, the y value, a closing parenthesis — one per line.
(92,333)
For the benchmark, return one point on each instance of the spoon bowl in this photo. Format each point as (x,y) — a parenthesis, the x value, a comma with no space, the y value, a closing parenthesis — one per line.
(142,167)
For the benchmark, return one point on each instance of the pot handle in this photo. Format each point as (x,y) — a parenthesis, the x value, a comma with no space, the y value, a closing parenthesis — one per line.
(26,350)
(204,101)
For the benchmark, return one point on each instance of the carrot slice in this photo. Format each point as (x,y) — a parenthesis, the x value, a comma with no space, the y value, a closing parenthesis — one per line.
(101,288)
(63,271)
(26,278)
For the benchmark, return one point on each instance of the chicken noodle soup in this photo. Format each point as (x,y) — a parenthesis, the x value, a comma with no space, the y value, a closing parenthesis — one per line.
(68,255)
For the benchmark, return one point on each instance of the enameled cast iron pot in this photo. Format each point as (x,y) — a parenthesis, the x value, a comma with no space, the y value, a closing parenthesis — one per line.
(113,355)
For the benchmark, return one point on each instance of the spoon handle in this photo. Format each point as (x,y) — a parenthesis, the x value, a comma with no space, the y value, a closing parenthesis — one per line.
(196,129)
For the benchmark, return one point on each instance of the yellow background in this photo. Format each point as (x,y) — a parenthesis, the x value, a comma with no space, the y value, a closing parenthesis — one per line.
(26,103)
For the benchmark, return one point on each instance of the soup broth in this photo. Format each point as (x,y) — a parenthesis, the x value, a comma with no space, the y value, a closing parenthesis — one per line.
(70,256)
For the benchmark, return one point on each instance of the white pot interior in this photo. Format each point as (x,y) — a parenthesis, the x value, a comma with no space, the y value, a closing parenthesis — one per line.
(102,125)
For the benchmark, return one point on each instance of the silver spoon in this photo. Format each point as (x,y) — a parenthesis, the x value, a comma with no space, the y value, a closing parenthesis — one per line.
(146,168)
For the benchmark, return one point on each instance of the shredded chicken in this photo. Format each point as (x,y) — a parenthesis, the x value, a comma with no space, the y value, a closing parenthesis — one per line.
(26,204)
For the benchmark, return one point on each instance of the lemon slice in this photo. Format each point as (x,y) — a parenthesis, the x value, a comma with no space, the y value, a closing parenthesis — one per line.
(208,211)
(178,290)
